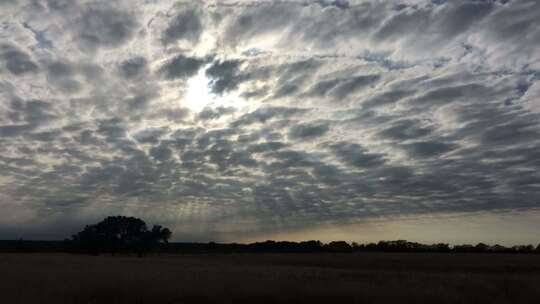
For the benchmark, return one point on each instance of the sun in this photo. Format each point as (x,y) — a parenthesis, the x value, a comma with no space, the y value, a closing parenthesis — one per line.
(199,94)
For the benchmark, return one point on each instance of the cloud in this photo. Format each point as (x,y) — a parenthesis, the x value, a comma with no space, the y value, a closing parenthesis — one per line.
(186,25)
(306,131)
(224,76)
(311,113)
(406,129)
(150,135)
(355,155)
(14,130)
(161,152)
(63,76)
(134,67)
(111,128)
(356,83)
(32,112)
(181,67)
(428,148)
(266,147)
(386,98)
(215,113)
(264,114)
(342,4)
(103,26)
(16,61)
(455,93)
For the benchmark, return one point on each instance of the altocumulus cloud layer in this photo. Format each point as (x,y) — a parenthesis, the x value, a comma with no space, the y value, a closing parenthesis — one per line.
(229,118)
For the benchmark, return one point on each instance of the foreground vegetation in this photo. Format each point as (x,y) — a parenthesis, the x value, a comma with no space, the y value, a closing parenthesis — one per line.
(271,278)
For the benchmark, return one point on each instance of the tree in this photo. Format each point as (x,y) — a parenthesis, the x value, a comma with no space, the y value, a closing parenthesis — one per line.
(481,247)
(120,234)
(338,246)
(441,247)
(161,234)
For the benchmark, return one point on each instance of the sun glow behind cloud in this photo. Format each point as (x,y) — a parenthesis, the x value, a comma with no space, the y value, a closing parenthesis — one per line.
(199,94)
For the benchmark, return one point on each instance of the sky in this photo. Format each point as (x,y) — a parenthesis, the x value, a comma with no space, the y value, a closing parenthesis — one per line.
(290,120)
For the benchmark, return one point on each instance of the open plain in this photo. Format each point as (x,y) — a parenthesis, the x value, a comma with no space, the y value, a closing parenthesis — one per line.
(271,278)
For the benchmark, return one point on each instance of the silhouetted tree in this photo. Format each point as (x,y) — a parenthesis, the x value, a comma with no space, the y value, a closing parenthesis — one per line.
(498,248)
(120,234)
(338,246)
(523,249)
(464,248)
(371,247)
(528,248)
(310,246)
(150,239)
(481,247)
(442,247)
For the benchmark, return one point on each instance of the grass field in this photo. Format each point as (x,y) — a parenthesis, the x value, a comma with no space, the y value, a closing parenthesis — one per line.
(271,278)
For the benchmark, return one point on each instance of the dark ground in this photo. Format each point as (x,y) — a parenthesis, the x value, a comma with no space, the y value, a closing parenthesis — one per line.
(271,278)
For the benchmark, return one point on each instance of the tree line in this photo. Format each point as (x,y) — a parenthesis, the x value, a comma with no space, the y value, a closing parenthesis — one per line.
(143,248)
(314,246)
(130,235)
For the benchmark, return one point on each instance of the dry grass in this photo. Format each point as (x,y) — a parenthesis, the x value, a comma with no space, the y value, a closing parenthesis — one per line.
(271,278)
